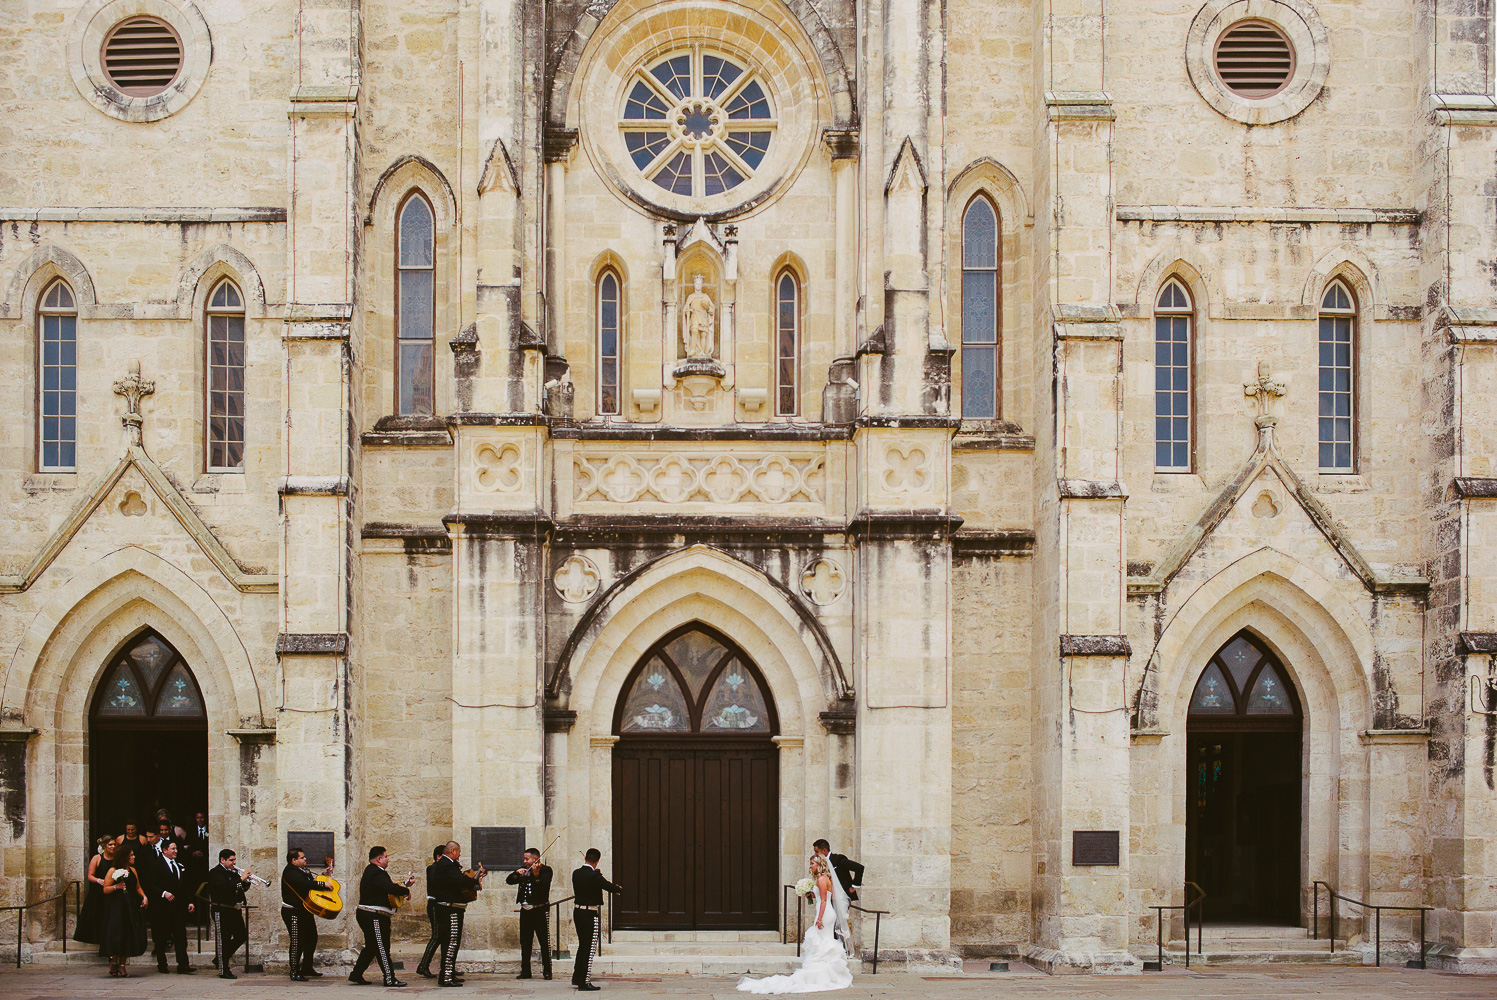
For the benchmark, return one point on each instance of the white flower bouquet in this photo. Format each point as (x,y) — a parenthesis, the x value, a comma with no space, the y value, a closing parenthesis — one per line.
(805,887)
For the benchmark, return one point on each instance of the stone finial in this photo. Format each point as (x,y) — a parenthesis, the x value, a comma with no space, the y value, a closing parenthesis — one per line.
(134,389)
(1264,389)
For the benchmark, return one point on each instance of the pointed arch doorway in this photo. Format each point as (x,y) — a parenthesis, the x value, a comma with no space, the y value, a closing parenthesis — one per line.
(148,739)
(696,789)
(1244,806)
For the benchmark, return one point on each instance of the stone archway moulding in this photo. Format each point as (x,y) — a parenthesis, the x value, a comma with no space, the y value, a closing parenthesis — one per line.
(1304,602)
(828,57)
(41,265)
(49,669)
(755,611)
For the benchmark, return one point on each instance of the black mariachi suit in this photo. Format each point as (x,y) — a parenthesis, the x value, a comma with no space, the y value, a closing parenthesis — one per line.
(448,885)
(588,885)
(225,895)
(301,925)
(849,873)
(375,889)
(171,915)
(534,897)
(436,925)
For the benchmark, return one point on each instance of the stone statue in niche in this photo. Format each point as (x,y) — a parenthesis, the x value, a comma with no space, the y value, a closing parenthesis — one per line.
(699,319)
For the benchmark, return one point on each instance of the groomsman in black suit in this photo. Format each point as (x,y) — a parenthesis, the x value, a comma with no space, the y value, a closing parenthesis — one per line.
(534,897)
(424,969)
(588,885)
(849,872)
(170,904)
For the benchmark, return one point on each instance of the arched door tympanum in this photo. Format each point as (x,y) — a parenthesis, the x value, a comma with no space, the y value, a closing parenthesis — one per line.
(1242,828)
(696,789)
(148,739)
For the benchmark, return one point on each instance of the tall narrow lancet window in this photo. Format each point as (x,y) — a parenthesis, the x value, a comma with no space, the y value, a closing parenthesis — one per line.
(608,343)
(1174,410)
(1338,333)
(225,386)
(787,344)
(57,380)
(980,310)
(415,305)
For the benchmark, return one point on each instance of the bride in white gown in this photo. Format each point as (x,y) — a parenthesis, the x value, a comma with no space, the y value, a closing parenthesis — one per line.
(823,959)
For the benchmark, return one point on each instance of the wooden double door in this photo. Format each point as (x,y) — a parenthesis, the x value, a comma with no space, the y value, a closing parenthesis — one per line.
(696,823)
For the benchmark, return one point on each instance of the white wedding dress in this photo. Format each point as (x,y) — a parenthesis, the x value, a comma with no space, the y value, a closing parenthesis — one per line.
(823,960)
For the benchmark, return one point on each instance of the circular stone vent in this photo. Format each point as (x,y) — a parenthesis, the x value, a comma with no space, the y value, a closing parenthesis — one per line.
(1254,59)
(142,56)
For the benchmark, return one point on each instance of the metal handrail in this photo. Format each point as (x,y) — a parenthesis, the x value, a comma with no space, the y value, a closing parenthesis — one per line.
(1186,907)
(878,919)
(1377,909)
(556,923)
(21,909)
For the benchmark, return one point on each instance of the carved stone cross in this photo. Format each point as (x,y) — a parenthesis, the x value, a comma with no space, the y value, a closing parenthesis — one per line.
(134,389)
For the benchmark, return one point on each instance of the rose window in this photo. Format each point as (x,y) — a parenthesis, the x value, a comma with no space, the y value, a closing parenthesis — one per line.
(697,124)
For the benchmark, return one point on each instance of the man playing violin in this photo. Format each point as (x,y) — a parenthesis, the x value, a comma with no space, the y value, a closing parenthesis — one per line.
(301,924)
(534,897)
(452,889)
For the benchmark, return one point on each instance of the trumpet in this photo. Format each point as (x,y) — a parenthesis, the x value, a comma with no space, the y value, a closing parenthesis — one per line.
(257,880)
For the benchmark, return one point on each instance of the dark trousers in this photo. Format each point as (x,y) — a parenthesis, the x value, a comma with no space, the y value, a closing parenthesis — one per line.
(376,928)
(438,931)
(228,935)
(169,929)
(451,918)
(301,940)
(587,946)
(533,924)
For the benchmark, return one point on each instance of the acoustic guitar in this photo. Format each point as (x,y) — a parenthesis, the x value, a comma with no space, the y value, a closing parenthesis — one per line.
(476,874)
(397,900)
(325,902)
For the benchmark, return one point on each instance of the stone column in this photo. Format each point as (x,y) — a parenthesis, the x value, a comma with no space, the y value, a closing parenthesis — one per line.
(843,146)
(557,146)
(1081,766)
(317,764)
(1459,372)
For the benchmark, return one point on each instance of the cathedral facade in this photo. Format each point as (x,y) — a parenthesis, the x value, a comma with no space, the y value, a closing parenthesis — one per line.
(1026,444)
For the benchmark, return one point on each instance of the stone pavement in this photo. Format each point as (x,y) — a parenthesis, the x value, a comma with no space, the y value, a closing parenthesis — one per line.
(1279,982)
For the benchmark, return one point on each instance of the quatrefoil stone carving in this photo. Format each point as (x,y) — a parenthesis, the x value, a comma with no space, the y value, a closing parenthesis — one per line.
(905,469)
(497,468)
(576,579)
(823,582)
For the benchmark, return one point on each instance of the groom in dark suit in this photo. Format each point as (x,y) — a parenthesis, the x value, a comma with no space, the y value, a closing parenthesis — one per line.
(849,872)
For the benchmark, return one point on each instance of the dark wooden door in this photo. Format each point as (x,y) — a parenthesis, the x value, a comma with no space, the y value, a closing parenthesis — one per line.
(696,825)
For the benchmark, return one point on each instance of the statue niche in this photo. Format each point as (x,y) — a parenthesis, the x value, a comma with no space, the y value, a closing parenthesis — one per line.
(698,322)
(700,315)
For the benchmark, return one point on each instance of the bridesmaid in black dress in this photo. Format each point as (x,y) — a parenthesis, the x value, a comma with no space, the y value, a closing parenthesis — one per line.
(91,911)
(124,927)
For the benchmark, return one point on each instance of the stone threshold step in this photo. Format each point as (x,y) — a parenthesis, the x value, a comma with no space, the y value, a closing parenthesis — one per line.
(715,937)
(664,948)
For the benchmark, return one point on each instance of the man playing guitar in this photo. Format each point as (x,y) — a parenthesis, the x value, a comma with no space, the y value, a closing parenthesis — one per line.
(301,925)
(452,889)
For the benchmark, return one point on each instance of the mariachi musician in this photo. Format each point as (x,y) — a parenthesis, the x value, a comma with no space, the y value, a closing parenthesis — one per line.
(435,940)
(452,889)
(301,923)
(378,897)
(225,895)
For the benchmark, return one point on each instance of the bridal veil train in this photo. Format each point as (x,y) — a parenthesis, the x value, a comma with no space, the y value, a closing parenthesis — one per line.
(823,958)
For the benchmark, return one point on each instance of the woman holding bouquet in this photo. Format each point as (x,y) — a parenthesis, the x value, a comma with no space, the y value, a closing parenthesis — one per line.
(823,959)
(123,928)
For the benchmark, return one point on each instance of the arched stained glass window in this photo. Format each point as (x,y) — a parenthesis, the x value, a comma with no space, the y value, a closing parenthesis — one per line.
(608,343)
(981,310)
(57,380)
(225,385)
(787,344)
(1174,415)
(1338,357)
(148,682)
(415,307)
(1244,687)
(694,682)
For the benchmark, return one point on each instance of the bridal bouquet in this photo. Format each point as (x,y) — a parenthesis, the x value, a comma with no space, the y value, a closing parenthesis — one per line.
(805,887)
